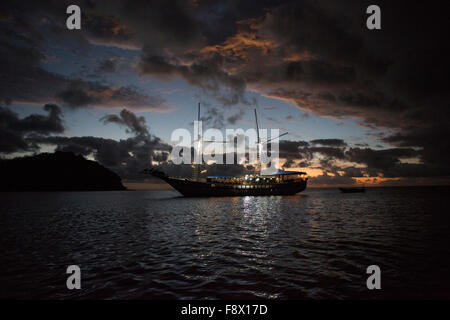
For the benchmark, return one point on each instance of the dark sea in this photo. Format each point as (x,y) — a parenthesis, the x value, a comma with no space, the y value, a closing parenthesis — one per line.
(158,245)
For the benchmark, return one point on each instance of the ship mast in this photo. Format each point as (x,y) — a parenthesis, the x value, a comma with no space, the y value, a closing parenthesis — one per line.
(258,144)
(196,165)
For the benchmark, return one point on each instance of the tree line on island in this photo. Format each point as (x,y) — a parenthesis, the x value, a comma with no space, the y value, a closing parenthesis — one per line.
(59,171)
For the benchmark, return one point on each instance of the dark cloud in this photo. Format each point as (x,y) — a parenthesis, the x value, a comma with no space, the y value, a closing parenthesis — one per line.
(329,142)
(21,79)
(432,139)
(305,151)
(331,180)
(235,117)
(310,72)
(292,149)
(136,125)
(80,93)
(380,159)
(14,131)
(76,97)
(107,65)
(288,164)
(206,73)
(107,29)
(394,80)
(127,157)
(24,80)
(329,152)
(160,24)
(388,163)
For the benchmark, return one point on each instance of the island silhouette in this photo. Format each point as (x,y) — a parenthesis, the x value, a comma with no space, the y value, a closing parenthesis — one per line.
(59,171)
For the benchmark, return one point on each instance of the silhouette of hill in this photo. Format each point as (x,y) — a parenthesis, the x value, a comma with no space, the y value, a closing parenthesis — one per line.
(59,171)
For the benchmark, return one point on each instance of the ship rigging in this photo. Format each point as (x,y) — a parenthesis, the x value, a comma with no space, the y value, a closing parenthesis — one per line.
(279,182)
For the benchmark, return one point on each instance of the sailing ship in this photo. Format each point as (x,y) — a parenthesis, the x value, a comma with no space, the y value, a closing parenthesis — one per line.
(277,183)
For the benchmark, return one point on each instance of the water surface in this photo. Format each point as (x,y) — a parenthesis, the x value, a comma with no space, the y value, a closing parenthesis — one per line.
(155,244)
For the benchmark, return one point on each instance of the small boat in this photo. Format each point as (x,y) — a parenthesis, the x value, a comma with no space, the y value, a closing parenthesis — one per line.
(353,190)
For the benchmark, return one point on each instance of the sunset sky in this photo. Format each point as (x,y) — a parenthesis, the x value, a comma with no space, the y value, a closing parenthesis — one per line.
(360,106)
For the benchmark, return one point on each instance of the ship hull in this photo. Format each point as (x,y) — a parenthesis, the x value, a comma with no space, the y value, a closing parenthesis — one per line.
(189,188)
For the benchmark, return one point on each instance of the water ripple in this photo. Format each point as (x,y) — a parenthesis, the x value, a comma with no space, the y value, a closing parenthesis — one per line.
(155,244)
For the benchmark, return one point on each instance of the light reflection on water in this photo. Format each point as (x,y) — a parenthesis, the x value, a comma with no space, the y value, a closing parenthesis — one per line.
(158,245)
